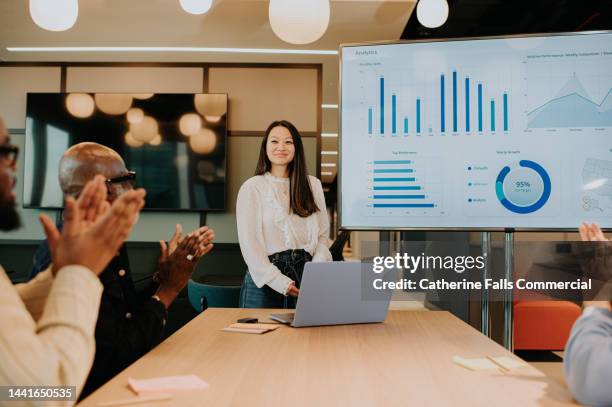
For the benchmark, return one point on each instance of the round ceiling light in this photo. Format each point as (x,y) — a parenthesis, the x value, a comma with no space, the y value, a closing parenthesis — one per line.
(146,130)
(157,140)
(131,141)
(210,104)
(190,124)
(432,13)
(135,115)
(80,105)
(143,96)
(113,103)
(204,142)
(196,6)
(54,15)
(299,21)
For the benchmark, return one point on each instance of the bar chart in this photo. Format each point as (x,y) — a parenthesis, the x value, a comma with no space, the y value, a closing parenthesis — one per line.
(461,99)
(403,185)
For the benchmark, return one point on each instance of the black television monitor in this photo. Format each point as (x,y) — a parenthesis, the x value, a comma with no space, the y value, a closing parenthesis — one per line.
(175,143)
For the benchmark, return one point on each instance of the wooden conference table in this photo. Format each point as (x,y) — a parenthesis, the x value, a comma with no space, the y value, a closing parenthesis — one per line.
(406,361)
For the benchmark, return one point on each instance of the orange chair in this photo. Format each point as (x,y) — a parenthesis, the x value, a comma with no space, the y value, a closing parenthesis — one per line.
(543,325)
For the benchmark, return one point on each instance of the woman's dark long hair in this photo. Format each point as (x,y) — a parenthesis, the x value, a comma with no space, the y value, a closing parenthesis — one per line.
(301,199)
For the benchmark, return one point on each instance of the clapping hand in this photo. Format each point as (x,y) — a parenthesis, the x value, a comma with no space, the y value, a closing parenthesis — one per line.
(204,237)
(178,260)
(93,230)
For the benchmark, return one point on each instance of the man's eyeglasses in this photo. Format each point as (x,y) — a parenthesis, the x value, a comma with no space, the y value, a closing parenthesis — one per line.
(9,152)
(116,186)
(129,176)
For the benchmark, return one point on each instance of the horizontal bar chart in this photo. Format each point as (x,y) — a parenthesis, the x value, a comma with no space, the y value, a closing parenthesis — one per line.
(393,162)
(394,171)
(428,205)
(399,196)
(409,188)
(394,179)
(396,192)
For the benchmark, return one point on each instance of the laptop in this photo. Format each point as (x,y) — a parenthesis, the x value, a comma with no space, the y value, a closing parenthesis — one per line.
(330,294)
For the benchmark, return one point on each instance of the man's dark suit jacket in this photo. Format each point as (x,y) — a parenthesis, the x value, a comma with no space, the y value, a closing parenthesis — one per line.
(129,323)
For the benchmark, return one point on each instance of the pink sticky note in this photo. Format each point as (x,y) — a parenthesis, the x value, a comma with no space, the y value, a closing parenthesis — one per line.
(167,384)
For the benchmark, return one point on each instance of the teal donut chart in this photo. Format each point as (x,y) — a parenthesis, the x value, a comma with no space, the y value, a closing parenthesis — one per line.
(527,198)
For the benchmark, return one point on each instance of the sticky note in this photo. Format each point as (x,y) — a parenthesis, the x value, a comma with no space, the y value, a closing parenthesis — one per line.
(475,364)
(167,384)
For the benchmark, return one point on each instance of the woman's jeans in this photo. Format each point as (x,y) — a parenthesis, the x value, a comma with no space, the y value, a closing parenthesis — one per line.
(290,263)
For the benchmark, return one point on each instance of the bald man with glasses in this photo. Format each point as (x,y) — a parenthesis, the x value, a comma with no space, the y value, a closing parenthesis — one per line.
(130,322)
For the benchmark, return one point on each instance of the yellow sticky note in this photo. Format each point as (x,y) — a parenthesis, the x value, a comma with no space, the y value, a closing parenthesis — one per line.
(475,364)
(509,363)
(267,327)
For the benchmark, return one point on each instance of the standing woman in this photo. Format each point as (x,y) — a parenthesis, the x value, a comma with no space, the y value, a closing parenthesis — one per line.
(282,221)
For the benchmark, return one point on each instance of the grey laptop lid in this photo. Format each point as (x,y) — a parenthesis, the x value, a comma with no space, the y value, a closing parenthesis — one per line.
(330,294)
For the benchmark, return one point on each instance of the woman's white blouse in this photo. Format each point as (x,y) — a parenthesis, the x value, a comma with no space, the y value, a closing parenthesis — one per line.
(266,226)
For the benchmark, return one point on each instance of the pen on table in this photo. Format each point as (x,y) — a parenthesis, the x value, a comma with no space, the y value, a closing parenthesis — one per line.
(136,400)
(503,368)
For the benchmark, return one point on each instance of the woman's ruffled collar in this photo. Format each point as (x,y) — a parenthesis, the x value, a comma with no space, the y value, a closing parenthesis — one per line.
(277,180)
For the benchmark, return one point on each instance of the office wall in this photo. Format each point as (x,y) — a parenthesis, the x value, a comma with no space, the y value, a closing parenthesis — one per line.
(268,93)
(258,95)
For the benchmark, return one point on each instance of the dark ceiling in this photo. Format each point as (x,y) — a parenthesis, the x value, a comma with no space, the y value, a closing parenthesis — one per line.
(475,18)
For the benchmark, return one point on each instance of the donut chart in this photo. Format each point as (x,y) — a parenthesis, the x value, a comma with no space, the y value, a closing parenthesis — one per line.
(523,187)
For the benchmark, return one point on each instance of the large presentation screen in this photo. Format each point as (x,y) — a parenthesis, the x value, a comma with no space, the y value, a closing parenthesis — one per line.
(477,133)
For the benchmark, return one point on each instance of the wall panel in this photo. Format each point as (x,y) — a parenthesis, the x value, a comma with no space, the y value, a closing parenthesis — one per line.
(260,96)
(16,82)
(134,79)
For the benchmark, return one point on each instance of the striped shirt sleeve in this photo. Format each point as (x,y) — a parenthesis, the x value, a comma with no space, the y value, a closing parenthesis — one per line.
(58,348)
(34,293)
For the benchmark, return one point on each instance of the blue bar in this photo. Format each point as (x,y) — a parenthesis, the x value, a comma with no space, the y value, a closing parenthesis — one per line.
(382,105)
(394,179)
(393,114)
(399,196)
(393,171)
(393,162)
(442,126)
(406,125)
(479,107)
(467,104)
(403,205)
(492,115)
(455,101)
(397,188)
(369,120)
(505,112)
(418,115)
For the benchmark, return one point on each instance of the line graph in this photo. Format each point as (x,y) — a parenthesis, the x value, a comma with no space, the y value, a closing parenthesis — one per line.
(572,107)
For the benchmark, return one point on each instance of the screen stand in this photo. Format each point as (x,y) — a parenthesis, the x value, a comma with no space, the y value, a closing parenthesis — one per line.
(508,294)
(485,312)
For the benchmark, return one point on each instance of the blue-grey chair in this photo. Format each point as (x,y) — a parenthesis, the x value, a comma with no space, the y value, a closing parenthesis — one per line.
(202,295)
